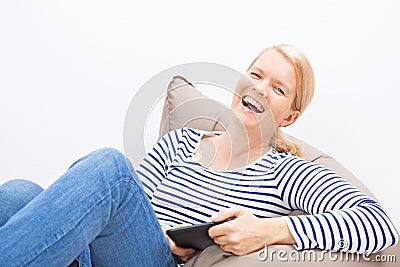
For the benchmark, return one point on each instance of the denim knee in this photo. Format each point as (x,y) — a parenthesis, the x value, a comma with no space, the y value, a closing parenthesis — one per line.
(20,190)
(107,151)
(118,159)
(110,160)
(14,195)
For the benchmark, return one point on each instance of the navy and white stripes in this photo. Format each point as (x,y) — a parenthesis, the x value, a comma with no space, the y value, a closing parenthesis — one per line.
(183,191)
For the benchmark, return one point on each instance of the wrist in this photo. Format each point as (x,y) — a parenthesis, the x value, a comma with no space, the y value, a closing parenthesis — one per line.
(281,234)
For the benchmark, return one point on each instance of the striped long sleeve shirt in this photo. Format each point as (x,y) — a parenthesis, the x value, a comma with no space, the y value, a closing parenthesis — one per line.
(342,217)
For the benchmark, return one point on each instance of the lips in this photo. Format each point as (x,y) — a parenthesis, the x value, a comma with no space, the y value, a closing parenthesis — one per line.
(252,104)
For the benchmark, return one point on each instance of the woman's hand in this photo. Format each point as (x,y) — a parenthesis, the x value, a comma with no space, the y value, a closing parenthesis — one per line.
(247,233)
(181,255)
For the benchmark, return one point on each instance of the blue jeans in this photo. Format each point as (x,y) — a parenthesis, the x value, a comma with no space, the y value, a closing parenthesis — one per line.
(97,211)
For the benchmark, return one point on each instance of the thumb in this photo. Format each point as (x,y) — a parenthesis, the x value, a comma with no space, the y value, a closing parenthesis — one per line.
(224,214)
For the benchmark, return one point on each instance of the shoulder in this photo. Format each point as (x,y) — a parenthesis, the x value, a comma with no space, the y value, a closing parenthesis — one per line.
(287,164)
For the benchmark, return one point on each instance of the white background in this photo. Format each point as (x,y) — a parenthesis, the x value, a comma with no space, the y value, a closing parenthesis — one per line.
(69,69)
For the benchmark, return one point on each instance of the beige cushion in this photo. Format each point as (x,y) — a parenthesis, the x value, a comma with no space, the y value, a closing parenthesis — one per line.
(185,106)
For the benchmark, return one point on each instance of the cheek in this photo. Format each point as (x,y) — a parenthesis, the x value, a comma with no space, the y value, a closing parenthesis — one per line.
(279,109)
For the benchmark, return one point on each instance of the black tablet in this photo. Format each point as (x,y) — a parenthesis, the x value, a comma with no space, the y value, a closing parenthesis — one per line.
(193,236)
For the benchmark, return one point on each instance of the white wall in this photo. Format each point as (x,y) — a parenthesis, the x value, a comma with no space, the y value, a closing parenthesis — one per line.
(68,70)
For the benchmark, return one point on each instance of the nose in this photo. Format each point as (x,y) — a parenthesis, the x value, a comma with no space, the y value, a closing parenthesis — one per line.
(262,91)
(263,86)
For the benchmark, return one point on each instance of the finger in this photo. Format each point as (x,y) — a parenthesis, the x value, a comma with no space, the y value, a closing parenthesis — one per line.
(218,231)
(178,251)
(222,240)
(226,248)
(185,258)
(227,213)
(222,229)
(182,252)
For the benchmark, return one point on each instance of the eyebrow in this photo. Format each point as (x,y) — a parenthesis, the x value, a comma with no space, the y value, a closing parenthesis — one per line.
(281,83)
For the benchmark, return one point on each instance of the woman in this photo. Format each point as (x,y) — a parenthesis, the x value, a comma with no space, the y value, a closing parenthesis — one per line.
(101,211)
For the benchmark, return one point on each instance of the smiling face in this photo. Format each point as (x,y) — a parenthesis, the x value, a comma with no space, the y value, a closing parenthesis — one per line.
(269,85)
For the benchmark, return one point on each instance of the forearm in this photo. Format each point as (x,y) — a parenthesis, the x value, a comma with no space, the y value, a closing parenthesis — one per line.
(355,230)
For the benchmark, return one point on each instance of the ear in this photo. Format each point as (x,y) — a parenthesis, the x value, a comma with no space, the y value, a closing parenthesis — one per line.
(292,117)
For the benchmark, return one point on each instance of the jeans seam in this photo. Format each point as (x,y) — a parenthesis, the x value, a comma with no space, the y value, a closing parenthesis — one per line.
(80,263)
(166,255)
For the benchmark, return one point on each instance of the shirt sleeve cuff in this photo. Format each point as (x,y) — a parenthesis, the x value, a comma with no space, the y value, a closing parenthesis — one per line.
(292,228)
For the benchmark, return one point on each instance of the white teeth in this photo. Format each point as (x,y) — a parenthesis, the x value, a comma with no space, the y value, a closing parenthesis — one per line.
(253,102)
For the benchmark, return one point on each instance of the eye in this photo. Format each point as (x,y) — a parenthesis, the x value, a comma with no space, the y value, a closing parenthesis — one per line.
(255,75)
(279,91)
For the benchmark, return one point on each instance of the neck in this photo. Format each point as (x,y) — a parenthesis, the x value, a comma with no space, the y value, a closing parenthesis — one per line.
(237,147)
(247,142)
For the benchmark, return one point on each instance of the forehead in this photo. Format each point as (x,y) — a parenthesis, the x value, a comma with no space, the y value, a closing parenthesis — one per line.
(277,68)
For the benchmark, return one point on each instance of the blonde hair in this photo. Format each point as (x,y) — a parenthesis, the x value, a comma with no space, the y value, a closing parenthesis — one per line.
(305,84)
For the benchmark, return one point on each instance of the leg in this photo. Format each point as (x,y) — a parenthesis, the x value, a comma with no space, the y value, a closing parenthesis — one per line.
(98,201)
(14,195)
